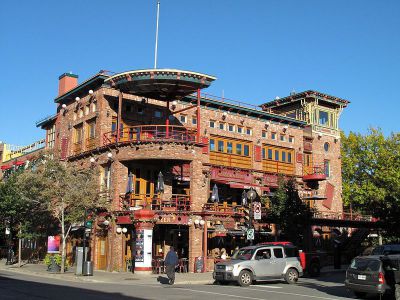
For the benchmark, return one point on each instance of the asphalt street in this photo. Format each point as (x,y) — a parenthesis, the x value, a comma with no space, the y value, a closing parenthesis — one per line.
(21,286)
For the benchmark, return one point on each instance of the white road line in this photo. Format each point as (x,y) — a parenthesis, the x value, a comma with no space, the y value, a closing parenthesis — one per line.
(252,298)
(267,286)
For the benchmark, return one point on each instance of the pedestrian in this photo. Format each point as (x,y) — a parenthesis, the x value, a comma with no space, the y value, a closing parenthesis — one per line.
(171,261)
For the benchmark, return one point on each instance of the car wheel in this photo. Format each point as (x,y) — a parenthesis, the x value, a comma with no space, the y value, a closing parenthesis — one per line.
(291,276)
(315,269)
(360,295)
(397,291)
(245,278)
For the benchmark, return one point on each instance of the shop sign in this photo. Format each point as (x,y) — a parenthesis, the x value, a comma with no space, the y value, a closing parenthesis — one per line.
(172,219)
(53,244)
(231,175)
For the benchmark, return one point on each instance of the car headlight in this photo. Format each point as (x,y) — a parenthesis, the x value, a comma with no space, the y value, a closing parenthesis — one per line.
(229,268)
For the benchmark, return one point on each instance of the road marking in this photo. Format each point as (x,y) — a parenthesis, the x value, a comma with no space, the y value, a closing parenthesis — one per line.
(266,286)
(253,298)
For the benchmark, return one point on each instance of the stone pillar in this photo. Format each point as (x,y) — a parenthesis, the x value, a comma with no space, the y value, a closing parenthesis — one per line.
(195,245)
(198,186)
(119,175)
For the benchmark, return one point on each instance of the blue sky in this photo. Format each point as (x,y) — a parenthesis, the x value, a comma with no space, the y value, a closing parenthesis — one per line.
(257,49)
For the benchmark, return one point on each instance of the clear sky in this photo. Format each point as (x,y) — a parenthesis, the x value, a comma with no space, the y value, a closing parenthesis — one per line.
(257,49)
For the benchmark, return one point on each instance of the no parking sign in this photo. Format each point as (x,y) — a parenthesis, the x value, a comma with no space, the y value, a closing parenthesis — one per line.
(257,210)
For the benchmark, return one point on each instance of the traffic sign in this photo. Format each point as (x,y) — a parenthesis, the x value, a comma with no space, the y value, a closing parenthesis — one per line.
(257,210)
(250,234)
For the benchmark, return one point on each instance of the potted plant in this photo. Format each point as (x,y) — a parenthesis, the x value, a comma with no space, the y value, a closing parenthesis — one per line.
(53,262)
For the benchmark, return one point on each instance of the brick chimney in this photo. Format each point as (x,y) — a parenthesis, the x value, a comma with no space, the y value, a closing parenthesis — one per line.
(67,82)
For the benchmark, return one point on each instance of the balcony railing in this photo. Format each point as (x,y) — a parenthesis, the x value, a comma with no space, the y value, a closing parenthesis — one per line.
(90,143)
(177,202)
(150,133)
(348,216)
(316,172)
(224,207)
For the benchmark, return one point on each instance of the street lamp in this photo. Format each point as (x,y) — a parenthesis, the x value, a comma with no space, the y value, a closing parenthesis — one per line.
(8,237)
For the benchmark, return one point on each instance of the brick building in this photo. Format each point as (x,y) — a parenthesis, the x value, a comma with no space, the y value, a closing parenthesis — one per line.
(139,126)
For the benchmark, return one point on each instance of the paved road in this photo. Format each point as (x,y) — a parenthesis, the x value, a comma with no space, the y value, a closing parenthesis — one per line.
(21,286)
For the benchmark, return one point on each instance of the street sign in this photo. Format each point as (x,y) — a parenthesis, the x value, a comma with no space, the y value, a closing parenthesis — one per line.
(257,210)
(250,234)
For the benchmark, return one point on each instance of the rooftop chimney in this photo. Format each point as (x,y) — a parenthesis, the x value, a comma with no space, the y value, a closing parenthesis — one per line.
(67,82)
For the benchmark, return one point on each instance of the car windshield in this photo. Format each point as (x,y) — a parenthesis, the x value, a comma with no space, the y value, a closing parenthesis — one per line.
(243,254)
(362,264)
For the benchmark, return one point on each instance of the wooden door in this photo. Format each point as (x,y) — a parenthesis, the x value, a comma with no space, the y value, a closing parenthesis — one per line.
(101,253)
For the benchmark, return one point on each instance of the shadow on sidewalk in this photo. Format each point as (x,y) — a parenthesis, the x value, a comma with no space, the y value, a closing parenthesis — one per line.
(12,288)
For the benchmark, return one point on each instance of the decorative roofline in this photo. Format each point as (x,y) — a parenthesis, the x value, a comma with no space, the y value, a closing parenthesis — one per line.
(308,93)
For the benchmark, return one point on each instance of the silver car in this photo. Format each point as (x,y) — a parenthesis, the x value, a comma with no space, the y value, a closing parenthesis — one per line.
(262,262)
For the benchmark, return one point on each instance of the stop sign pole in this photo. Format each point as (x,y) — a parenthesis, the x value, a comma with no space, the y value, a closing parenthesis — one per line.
(251,195)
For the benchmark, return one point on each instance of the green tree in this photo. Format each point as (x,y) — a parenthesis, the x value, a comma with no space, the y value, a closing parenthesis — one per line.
(371,176)
(288,211)
(67,192)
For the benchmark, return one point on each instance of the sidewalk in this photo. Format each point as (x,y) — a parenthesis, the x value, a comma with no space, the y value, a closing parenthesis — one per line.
(40,270)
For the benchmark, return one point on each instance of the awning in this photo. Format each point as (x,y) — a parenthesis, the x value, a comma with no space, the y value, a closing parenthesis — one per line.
(19,163)
(6,167)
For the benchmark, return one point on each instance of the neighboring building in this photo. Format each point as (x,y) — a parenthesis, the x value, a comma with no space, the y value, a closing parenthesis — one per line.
(138,125)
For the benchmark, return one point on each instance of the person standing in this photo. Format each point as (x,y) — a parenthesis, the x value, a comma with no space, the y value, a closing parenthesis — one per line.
(171,261)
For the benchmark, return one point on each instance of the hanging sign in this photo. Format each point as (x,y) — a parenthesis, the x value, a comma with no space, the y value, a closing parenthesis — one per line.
(257,210)
(53,244)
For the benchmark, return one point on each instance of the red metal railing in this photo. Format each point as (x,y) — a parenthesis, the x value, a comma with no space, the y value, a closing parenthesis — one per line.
(150,133)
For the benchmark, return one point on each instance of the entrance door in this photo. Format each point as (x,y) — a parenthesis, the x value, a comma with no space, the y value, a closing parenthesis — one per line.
(144,184)
(101,253)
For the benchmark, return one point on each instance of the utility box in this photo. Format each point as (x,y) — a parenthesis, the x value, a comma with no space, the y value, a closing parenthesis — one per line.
(79,259)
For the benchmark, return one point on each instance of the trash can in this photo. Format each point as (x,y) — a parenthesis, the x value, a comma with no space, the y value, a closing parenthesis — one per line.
(88,268)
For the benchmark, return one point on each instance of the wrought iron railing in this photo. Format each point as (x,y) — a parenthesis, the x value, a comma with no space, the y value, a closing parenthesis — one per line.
(150,133)
(177,202)
(314,170)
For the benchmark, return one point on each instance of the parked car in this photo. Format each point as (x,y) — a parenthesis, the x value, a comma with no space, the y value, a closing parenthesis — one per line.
(386,250)
(261,262)
(374,274)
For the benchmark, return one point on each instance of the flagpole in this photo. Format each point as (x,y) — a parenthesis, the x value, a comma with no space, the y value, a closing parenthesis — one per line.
(156,48)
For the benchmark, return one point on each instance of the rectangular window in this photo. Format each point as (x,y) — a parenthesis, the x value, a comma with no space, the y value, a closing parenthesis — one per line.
(263,153)
(212,145)
(269,153)
(78,134)
(277,155)
(87,110)
(212,124)
(327,168)
(283,156)
(239,149)
(91,130)
(94,106)
(249,131)
(183,118)
(220,146)
(278,253)
(273,136)
(157,114)
(289,157)
(282,138)
(231,127)
(222,126)
(128,108)
(229,147)
(291,139)
(323,118)
(51,137)
(106,177)
(140,110)
(264,134)
(246,150)
(240,129)
(194,120)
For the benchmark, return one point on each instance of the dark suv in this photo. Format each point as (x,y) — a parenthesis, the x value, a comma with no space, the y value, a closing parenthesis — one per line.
(374,274)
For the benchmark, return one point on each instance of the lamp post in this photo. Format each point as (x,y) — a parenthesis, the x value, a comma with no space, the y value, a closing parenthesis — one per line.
(251,195)
(8,237)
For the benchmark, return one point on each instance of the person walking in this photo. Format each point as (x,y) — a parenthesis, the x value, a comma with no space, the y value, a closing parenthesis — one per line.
(171,261)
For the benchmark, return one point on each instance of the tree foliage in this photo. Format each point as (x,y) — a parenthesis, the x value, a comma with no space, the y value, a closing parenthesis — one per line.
(371,175)
(289,212)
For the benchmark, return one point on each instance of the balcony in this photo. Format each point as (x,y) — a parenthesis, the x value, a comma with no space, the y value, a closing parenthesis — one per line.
(314,173)
(150,133)
(177,202)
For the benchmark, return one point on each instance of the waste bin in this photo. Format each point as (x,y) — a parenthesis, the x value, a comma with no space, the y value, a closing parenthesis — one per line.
(79,259)
(88,268)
